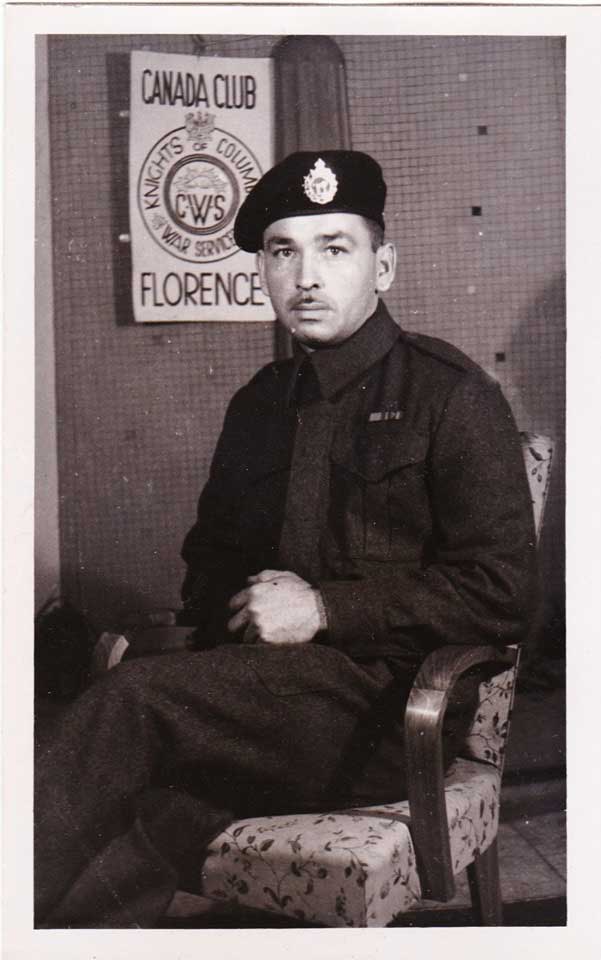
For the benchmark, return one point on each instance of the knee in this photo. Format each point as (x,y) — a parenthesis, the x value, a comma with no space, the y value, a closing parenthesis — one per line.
(126,683)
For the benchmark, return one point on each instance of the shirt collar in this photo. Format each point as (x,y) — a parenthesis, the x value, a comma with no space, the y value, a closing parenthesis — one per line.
(337,366)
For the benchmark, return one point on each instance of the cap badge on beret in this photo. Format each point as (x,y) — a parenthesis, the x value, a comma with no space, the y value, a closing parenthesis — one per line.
(320,184)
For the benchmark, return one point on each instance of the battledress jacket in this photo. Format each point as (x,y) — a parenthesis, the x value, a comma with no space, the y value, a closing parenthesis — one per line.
(427,538)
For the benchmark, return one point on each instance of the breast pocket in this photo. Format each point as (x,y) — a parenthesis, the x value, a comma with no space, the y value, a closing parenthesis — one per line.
(380,491)
(262,501)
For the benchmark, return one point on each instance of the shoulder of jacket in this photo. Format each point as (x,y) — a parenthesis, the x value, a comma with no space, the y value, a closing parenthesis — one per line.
(269,381)
(441,351)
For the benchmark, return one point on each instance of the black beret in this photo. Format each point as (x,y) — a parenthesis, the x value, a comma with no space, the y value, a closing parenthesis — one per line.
(311,182)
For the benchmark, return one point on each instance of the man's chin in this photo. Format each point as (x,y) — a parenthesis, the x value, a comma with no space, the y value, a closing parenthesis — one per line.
(313,333)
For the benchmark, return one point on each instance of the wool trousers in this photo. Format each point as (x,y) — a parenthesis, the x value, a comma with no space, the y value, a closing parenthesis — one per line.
(157,757)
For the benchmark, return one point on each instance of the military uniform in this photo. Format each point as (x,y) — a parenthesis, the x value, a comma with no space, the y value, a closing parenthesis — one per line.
(426,537)
(385,471)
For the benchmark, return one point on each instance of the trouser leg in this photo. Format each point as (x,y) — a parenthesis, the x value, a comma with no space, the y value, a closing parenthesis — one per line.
(214,726)
(132,880)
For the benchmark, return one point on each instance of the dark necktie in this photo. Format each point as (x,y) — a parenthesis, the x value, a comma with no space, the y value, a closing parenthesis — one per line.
(307,497)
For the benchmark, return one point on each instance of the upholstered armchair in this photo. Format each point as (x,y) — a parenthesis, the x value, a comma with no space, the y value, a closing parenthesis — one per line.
(367,867)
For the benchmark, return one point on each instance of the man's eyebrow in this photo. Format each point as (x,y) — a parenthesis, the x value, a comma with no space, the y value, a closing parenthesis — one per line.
(283,241)
(339,235)
(280,242)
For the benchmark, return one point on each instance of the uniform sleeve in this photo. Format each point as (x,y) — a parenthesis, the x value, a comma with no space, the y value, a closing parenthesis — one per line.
(480,583)
(211,549)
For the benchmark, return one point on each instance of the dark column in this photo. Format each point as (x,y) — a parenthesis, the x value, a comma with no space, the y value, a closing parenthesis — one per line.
(311,107)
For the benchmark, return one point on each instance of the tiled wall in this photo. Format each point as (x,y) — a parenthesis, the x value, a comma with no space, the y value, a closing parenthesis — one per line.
(139,407)
(470,134)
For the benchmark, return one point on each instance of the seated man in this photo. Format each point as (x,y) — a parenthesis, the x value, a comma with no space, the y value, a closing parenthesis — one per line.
(367,503)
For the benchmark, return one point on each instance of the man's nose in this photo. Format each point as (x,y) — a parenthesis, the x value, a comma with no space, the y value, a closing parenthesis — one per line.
(308,273)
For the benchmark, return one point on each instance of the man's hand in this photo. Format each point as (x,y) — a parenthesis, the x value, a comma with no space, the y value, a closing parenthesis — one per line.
(277,607)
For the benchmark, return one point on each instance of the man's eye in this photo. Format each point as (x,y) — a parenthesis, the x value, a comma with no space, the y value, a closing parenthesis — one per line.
(334,250)
(282,253)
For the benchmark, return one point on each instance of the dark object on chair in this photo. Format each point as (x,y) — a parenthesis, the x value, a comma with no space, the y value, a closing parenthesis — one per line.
(63,644)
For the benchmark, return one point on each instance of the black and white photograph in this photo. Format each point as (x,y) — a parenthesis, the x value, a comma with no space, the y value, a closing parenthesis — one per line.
(297,613)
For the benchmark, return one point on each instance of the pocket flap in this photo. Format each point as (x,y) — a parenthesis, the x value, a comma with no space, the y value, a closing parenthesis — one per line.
(273,454)
(380,449)
(295,669)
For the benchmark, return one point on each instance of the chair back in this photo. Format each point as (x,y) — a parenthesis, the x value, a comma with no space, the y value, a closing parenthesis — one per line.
(537,450)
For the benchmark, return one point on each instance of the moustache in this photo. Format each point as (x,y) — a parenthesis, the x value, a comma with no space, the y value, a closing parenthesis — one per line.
(306,300)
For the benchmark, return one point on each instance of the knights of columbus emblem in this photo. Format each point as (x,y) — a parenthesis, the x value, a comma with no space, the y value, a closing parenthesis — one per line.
(320,184)
(200,128)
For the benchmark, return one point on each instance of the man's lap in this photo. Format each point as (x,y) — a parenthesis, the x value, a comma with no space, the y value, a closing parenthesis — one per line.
(248,720)
(244,730)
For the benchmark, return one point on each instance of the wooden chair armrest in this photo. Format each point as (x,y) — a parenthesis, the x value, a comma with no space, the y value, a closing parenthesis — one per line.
(424,718)
(159,617)
(152,641)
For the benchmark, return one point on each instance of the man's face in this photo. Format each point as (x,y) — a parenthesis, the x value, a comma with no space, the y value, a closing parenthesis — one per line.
(321,275)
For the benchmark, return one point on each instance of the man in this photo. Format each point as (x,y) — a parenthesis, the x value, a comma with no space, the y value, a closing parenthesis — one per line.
(367,503)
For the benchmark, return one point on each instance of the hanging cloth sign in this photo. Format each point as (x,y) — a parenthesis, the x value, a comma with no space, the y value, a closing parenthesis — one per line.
(201,135)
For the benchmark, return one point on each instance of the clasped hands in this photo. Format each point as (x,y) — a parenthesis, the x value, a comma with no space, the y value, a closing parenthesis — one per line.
(277,607)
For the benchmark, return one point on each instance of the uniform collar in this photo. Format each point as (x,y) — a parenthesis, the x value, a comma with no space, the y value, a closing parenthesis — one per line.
(337,366)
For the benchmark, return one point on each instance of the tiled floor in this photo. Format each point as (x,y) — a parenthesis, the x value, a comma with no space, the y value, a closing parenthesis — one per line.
(532,862)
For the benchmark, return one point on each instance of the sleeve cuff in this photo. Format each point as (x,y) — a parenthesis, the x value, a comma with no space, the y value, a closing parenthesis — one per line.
(349,612)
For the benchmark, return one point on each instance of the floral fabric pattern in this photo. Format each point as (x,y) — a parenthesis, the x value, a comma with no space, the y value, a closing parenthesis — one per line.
(538,457)
(346,868)
(488,733)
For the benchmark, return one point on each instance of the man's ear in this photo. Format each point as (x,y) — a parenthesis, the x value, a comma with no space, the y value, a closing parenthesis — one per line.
(385,266)
(260,261)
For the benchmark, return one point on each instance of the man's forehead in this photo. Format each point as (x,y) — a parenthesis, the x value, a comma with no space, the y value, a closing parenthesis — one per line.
(316,226)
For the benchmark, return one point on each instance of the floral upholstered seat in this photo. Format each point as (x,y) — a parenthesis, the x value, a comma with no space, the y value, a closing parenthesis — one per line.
(347,868)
